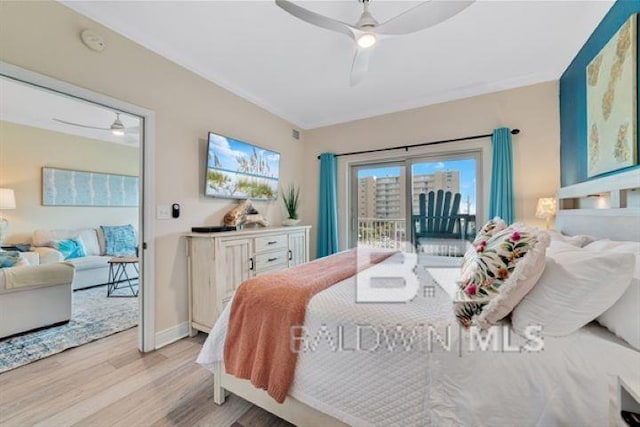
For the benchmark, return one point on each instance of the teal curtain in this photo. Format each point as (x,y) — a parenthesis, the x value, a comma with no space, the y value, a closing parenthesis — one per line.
(501,200)
(328,212)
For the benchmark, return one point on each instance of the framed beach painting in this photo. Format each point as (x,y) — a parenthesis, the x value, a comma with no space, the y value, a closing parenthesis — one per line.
(612,118)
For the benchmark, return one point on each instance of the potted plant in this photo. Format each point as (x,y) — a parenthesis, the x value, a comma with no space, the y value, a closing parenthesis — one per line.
(291,200)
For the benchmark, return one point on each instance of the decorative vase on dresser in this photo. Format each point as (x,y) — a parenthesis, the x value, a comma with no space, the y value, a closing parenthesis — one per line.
(219,262)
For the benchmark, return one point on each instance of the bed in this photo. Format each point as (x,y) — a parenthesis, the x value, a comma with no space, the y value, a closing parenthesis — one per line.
(409,379)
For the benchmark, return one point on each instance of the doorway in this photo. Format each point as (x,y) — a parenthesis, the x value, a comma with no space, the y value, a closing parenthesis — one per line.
(145,191)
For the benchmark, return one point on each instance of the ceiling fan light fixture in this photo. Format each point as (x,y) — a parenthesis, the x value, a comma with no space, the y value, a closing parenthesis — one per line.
(117,128)
(367,30)
(367,40)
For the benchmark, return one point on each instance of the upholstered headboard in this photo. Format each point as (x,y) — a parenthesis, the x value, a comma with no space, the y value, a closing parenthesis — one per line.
(607,207)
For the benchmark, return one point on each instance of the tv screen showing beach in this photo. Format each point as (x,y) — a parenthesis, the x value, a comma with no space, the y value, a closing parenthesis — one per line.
(239,170)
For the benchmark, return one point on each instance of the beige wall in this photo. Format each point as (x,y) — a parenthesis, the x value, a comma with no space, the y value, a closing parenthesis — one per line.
(44,37)
(533,109)
(24,150)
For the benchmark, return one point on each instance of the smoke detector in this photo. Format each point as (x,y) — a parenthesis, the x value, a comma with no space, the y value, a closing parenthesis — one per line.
(92,40)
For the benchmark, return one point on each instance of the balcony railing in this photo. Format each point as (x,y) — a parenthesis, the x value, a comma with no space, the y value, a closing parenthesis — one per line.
(382,233)
(392,233)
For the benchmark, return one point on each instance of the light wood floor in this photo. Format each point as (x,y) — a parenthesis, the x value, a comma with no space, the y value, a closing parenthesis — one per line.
(109,383)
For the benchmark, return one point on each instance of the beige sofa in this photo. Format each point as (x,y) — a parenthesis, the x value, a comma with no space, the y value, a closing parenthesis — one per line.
(34,296)
(91,270)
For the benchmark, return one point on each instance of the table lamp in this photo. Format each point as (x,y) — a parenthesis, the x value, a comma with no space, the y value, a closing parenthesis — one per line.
(546,209)
(7,201)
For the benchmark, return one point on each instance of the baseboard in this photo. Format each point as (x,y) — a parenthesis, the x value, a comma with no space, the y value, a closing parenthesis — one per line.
(172,334)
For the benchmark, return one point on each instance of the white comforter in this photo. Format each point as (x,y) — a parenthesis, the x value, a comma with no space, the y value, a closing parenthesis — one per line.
(568,383)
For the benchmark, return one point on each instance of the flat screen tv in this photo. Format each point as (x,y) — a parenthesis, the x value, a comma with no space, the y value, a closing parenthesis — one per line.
(237,170)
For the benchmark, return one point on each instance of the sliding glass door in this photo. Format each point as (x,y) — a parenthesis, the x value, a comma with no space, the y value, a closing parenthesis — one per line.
(428,202)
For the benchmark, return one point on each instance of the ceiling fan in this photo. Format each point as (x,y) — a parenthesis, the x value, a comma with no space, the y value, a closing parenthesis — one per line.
(367,32)
(117,127)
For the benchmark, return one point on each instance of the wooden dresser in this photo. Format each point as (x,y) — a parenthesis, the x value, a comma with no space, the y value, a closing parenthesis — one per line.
(219,262)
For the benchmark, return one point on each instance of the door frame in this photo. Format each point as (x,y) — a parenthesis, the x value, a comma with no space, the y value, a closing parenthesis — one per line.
(146,320)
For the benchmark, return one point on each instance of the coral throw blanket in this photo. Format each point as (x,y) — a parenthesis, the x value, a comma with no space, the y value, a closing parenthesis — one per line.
(265,308)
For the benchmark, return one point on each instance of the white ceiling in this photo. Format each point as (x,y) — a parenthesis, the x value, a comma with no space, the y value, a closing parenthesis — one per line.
(29,105)
(301,72)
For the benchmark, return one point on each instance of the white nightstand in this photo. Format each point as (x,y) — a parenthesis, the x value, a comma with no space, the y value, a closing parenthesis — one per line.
(627,399)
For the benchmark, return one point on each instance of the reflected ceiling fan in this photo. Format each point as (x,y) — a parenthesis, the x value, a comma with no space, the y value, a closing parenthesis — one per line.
(367,32)
(117,127)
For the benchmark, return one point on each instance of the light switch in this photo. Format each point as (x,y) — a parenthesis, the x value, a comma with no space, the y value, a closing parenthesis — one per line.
(163,212)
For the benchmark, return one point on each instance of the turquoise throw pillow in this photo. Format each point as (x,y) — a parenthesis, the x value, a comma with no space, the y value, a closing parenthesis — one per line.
(9,258)
(70,248)
(120,240)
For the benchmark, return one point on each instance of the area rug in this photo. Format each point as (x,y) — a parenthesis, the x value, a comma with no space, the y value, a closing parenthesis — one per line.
(94,316)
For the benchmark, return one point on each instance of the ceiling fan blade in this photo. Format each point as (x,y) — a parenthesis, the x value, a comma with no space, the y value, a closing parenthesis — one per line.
(317,19)
(360,65)
(80,125)
(423,16)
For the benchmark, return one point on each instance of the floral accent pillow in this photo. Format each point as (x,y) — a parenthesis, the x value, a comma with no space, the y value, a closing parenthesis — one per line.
(489,229)
(499,274)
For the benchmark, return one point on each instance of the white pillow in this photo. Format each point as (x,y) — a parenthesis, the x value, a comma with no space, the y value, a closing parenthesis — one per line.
(623,319)
(577,286)
(580,241)
(617,247)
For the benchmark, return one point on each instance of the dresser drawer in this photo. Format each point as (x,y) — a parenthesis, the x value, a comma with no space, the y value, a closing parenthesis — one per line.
(271,260)
(270,243)
(272,269)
